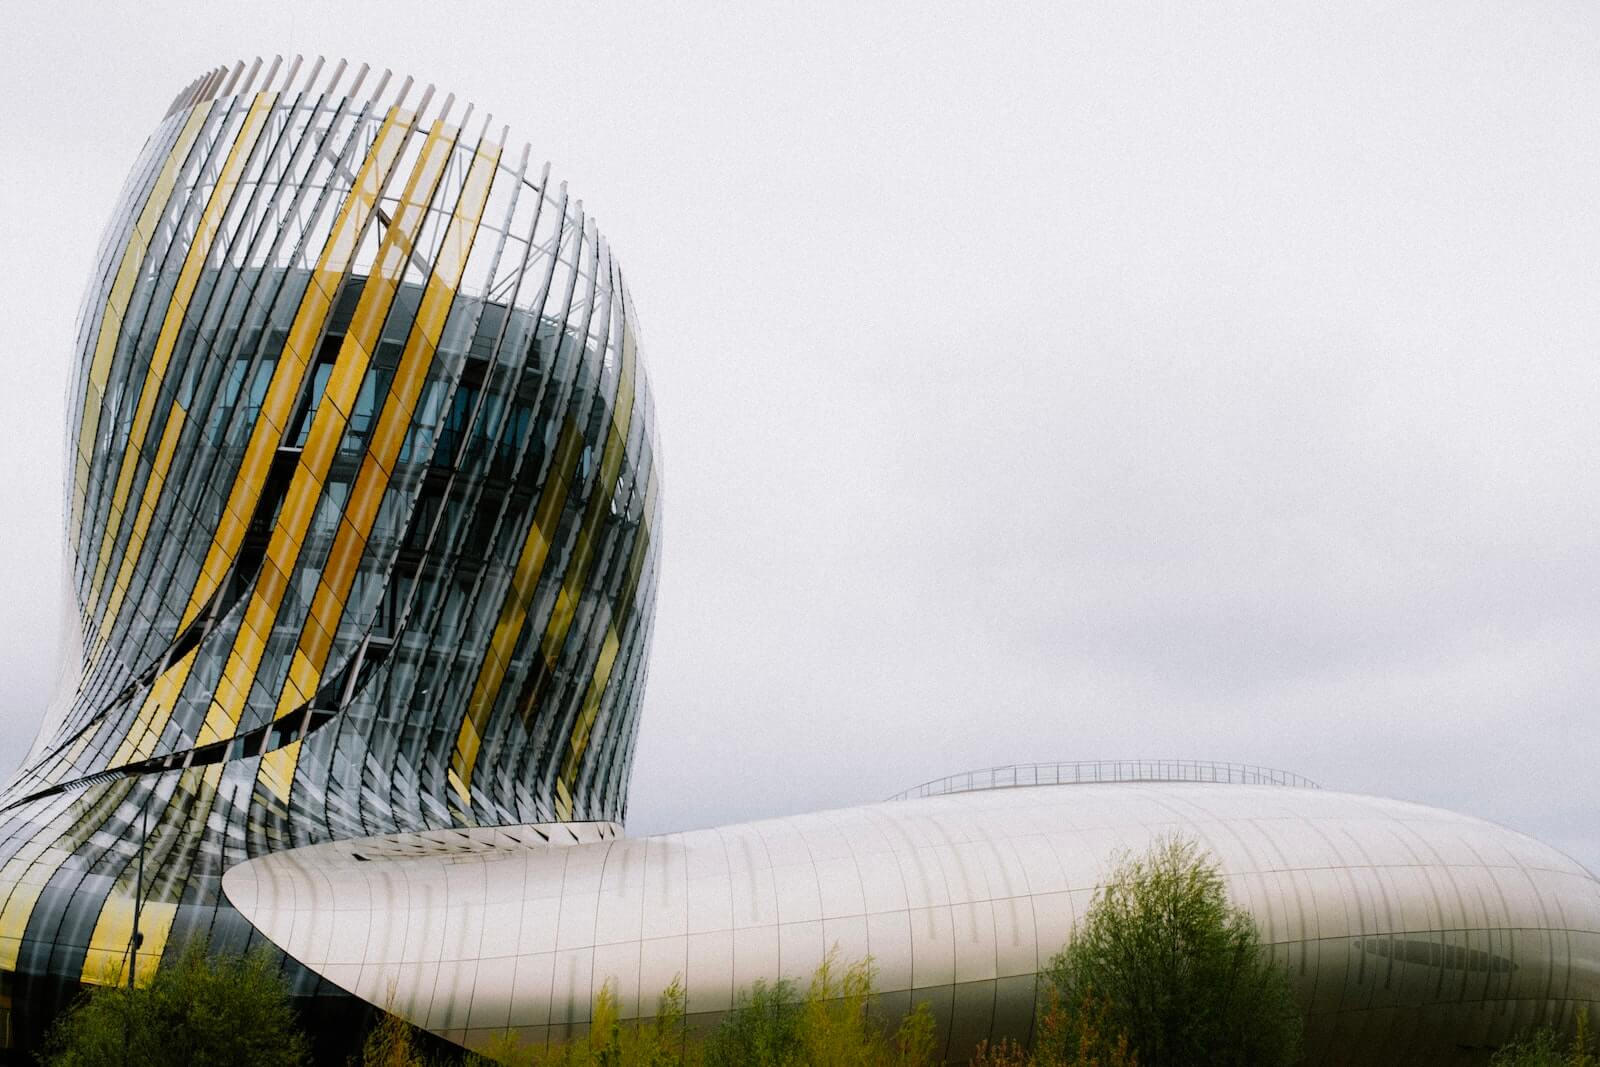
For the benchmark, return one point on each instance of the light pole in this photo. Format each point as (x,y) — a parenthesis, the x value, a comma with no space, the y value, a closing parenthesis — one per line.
(138,890)
(137,939)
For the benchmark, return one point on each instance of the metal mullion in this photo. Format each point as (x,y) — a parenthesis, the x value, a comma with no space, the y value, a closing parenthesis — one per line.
(403,616)
(327,194)
(130,344)
(538,735)
(231,301)
(433,607)
(581,630)
(367,445)
(213,456)
(559,413)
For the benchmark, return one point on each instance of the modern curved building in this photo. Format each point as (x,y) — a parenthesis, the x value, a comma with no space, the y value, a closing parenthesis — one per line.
(364,530)
(363,515)
(1412,935)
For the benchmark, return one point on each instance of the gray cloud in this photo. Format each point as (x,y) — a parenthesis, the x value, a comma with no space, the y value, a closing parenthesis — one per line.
(1082,383)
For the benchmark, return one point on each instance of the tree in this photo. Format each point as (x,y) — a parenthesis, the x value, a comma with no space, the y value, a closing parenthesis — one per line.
(196,1011)
(1163,960)
(763,1030)
(836,1031)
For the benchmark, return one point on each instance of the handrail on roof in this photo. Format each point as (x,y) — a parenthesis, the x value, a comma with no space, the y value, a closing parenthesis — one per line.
(1079,772)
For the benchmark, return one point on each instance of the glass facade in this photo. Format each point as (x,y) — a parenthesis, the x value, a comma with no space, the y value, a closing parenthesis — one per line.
(363,516)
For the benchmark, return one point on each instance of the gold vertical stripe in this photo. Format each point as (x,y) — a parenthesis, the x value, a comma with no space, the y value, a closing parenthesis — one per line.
(147,509)
(361,510)
(106,960)
(328,428)
(140,740)
(577,575)
(106,956)
(591,706)
(577,572)
(277,770)
(299,351)
(25,875)
(514,609)
(584,725)
(177,310)
(284,387)
(117,302)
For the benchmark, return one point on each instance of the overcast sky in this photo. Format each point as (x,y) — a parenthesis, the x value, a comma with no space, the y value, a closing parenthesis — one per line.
(1088,381)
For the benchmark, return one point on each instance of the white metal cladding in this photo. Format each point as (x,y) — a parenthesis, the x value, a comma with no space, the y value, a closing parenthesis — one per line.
(1411,933)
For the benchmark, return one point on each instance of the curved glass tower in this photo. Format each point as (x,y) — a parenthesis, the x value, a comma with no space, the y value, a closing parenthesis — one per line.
(363,514)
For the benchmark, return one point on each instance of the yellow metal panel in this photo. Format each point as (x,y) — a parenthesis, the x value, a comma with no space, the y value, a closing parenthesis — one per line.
(281,550)
(272,582)
(322,443)
(107,958)
(434,311)
(315,642)
(308,326)
(366,495)
(277,406)
(277,770)
(250,644)
(378,295)
(326,608)
(199,249)
(14,919)
(122,288)
(591,705)
(345,381)
(361,511)
(514,609)
(387,439)
(343,559)
(563,803)
(157,707)
(147,506)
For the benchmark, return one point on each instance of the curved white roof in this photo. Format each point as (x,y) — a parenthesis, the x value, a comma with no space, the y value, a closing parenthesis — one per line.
(1409,931)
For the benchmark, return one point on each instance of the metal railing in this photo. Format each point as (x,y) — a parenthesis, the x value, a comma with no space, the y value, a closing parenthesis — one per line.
(1080,772)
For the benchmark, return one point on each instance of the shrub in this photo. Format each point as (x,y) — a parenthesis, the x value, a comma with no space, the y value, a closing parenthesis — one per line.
(771,1025)
(196,1011)
(1164,966)
(763,1030)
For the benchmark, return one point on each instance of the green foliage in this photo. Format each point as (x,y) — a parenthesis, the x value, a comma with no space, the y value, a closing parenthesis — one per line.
(1542,1048)
(197,1011)
(763,1030)
(771,1025)
(393,1042)
(1083,1037)
(834,1028)
(1003,1053)
(662,1042)
(914,1041)
(1163,965)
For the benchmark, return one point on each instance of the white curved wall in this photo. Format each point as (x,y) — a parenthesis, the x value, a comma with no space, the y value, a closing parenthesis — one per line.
(1412,933)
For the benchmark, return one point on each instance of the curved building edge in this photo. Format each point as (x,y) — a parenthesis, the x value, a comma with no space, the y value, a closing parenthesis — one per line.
(363,516)
(1411,934)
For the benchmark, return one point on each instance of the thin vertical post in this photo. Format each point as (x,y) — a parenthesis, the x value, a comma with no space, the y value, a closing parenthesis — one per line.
(138,890)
